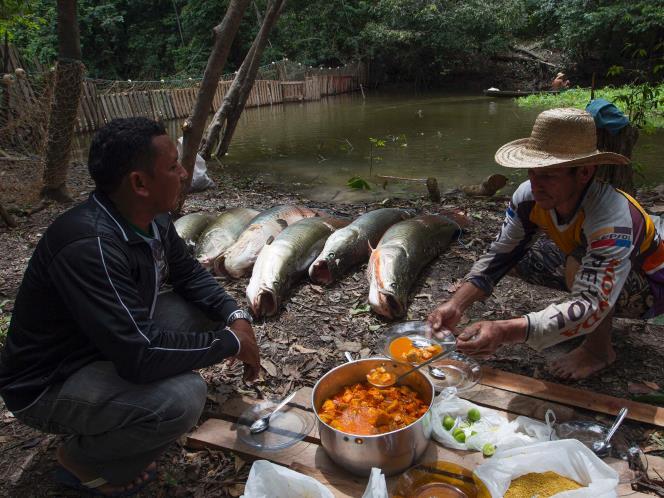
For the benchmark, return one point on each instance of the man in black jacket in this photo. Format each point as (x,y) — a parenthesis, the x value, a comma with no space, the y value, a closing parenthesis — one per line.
(94,351)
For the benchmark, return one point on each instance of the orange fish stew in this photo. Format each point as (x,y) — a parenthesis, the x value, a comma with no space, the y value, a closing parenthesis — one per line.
(365,410)
(403,349)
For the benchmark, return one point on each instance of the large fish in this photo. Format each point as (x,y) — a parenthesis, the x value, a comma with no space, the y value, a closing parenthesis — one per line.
(240,257)
(404,250)
(221,233)
(349,246)
(190,226)
(284,260)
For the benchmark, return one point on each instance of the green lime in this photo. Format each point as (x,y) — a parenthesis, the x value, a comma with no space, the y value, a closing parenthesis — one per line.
(448,422)
(474,415)
(472,433)
(459,435)
(488,449)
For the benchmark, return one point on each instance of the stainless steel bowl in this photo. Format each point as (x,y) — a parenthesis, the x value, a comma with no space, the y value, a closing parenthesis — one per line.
(393,452)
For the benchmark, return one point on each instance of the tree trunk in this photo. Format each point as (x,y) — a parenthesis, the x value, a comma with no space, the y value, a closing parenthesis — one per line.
(273,12)
(192,129)
(623,142)
(5,113)
(230,101)
(64,108)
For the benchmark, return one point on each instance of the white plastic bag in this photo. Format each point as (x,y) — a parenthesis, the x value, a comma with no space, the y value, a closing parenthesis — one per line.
(567,457)
(268,480)
(492,428)
(200,179)
(377,487)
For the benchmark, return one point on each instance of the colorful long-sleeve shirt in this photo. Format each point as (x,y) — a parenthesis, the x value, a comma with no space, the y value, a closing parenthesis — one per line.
(610,233)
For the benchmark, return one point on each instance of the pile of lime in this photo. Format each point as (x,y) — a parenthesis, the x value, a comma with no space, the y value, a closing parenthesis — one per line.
(459,433)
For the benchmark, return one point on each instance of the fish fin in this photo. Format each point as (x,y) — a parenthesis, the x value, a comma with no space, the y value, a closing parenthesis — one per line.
(282,223)
(269,240)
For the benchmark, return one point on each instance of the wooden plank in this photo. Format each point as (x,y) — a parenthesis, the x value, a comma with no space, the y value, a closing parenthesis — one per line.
(309,458)
(572,396)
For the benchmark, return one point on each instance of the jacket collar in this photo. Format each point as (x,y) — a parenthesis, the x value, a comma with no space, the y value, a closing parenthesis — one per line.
(101,201)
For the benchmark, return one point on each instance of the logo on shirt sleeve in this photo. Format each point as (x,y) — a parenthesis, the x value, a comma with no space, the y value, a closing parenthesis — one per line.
(611,236)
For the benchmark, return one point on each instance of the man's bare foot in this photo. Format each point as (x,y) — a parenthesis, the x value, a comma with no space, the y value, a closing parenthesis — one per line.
(581,363)
(86,476)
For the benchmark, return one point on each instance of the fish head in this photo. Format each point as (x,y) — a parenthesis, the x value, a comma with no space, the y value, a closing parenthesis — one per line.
(388,292)
(264,295)
(335,259)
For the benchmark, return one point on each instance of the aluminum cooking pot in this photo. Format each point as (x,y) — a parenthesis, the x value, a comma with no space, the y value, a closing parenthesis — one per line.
(394,451)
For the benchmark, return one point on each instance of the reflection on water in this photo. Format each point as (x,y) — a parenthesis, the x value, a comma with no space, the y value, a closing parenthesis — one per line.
(315,147)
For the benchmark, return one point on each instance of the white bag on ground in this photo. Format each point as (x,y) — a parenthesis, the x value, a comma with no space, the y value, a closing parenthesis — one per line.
(268,480)
(200,179)
(490,429)
(567,457)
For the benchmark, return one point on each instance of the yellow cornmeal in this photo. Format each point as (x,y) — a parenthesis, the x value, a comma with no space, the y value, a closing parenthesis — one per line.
(542,485)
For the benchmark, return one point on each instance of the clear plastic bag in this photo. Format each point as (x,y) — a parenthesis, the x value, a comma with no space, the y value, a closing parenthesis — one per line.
(567,457)
(492,428)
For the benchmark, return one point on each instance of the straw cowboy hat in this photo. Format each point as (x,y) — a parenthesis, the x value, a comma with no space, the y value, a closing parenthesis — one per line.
(560,138)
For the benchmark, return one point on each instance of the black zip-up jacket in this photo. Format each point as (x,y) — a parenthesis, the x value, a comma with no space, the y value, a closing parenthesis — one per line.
(89,293)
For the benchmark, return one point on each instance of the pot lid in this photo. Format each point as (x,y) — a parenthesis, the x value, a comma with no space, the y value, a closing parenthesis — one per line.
(287,426)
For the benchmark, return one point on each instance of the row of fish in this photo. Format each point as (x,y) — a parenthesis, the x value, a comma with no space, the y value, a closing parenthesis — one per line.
(284,243)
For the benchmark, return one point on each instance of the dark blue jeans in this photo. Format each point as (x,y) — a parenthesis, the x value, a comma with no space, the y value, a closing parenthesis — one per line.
(116,428)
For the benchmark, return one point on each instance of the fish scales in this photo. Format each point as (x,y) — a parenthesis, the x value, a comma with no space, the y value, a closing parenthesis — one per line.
(284,260)
(221,233)
(350,246)
(405,249)
(240,257)
(190,226)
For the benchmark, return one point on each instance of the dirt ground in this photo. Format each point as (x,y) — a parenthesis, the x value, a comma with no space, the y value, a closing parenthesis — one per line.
(296,351)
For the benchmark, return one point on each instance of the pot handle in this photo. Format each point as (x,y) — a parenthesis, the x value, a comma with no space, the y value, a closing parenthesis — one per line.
(349,357)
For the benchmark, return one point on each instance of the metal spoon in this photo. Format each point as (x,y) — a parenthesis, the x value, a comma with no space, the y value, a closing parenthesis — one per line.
(602,447)
(264,422)
(396,380)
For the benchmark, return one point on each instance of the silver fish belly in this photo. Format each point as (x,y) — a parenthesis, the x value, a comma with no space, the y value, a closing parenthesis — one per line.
(351,245)
(402,253)
(285,260)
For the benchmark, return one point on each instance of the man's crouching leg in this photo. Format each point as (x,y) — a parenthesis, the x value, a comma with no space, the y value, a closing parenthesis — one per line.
(595,353)
(117,429)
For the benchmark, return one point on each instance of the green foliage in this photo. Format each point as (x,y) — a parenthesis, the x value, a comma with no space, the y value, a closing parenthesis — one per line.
(593,30)
(359,183)
(414,40)
(647,114)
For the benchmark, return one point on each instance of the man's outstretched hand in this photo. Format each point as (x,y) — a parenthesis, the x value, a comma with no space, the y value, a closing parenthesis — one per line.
(249,354)
(445,317)
(482,339)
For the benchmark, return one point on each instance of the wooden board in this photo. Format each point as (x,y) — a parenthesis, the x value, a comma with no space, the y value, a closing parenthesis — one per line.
(309,458)
(572,396)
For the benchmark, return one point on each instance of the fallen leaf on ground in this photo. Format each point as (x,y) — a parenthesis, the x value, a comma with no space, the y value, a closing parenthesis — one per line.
(651,385)
(236,490)
(269,367)
(302,349)
(351,346)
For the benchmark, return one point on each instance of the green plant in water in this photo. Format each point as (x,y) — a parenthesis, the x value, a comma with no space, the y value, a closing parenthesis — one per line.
(379,144)
(358,183)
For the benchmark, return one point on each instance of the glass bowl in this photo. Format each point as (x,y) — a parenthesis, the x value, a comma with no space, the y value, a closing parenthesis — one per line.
(456,370)
(411,336)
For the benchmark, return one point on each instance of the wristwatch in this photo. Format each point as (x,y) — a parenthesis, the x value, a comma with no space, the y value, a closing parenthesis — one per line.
(237,315)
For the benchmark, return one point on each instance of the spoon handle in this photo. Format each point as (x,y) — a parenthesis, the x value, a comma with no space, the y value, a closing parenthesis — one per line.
(283,403)
(621,415)
(440,355)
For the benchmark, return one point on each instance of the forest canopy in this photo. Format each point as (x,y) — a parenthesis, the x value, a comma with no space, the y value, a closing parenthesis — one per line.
(410,40)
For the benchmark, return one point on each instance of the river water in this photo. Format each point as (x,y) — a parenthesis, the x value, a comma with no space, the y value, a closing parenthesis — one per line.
(316,147)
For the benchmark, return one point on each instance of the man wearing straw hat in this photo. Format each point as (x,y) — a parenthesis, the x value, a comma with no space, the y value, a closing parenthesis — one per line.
(598,244)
